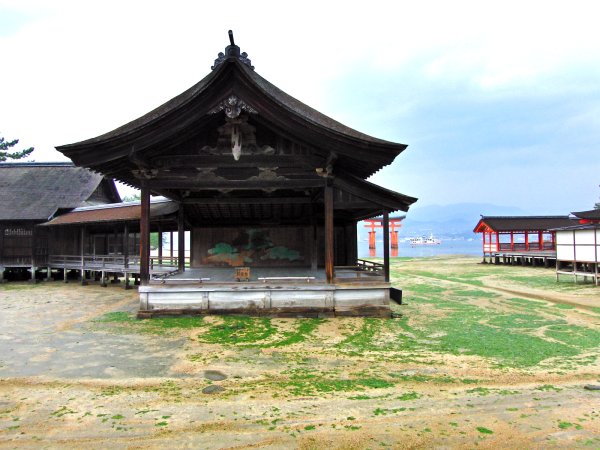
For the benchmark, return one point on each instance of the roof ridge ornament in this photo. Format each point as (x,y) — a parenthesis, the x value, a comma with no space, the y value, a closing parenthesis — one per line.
(233,107)
(232,51)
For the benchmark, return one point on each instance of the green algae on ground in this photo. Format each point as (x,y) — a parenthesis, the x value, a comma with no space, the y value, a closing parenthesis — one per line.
(257,332)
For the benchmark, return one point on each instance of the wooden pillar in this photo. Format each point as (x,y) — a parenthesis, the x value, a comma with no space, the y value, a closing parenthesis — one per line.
(512,241)
(160,249)
(483,245)
(32,254)
(145,237)
(126,253)
(386,245)
(541,240)
(596,254)
(181,239)
(2,255)
(171,247)
(329,233)
(126,245)
(82,249)
(527,241)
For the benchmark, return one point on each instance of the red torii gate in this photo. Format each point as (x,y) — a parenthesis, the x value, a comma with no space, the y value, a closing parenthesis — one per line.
(395,225)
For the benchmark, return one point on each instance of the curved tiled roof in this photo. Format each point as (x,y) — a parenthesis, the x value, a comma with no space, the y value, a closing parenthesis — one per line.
(292,104)
(131,211)
(593,214)
(522,223)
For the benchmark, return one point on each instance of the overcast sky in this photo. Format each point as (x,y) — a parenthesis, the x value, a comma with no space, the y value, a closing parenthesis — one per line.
(499,102)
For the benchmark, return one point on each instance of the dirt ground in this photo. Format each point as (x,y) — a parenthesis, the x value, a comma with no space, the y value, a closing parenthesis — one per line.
(77,370)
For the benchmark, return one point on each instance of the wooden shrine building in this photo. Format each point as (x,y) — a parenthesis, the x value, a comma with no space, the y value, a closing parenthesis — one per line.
(33,193)
(520,239)
(102,240)
(578,247)
(270,189)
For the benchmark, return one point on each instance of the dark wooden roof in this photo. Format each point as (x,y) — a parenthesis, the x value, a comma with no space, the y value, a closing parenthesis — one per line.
(177,122)
(521,223)
(36,191)
(593,214)
(119,212)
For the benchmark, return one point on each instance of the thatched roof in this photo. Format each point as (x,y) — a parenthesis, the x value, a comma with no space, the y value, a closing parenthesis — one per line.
(36,191)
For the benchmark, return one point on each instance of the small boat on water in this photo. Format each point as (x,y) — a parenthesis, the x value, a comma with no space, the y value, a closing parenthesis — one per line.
(422,240)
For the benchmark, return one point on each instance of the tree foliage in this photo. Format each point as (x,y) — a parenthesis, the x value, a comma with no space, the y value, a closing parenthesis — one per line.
(6,154)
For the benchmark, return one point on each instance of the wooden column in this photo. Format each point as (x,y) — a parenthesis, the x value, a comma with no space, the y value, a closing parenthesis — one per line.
(180,239)
(82,248)
(329,233)
(171,246)
(541,240)
(483,245)
(386,245)
(126,244)
(512,241)
(33,254)
(126,252)
(595,254)
(160,249)
(2,254)
(145,237)
(526,240)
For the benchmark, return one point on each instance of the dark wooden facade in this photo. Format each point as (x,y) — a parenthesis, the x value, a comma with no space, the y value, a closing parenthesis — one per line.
(33,193)
(248,163)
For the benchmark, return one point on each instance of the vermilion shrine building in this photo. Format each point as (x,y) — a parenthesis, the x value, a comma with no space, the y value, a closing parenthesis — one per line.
(520,239)
(270,189)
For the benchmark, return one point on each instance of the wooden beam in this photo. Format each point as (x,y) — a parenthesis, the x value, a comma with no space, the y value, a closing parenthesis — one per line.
(247,200)
(329,234)
(181,239)
(197,184)
(145,237)
(386,245)
(246,161)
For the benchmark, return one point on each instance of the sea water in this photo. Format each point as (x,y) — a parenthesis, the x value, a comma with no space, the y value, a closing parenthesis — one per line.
(447,247)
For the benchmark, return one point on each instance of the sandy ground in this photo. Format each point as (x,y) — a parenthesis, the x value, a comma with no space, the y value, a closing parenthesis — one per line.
(68,381)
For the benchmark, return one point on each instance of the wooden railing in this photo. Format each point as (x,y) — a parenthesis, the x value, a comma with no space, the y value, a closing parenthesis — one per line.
(522,247)
(370,266)
(100,262)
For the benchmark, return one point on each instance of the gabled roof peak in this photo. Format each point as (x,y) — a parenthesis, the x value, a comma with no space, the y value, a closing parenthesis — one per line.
(232,51)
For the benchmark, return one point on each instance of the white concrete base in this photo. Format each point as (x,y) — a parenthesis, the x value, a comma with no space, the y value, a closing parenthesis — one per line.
(256,297)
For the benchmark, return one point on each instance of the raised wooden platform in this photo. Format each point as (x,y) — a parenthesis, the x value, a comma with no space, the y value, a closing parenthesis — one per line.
(292,292)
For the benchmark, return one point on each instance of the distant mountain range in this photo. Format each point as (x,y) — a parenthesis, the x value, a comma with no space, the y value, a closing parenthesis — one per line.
(451,221)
